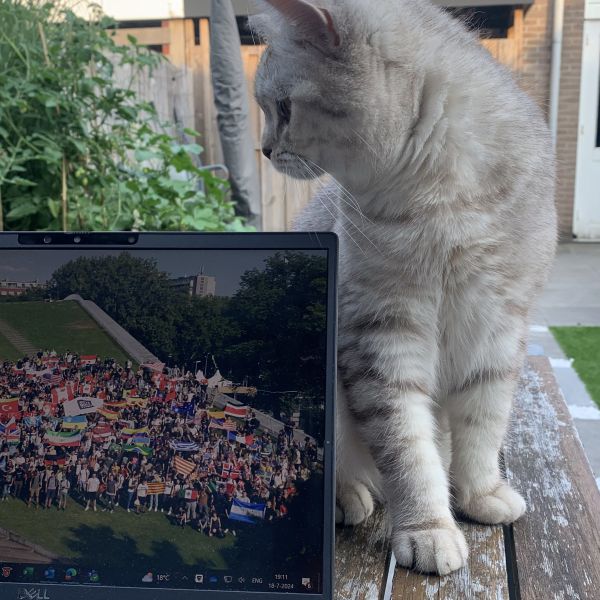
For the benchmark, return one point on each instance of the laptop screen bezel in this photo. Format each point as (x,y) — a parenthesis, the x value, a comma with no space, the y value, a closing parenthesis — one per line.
(49,241)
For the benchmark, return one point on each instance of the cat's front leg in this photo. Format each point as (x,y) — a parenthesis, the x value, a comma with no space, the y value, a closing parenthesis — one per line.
(388,376)
(356,474)
(479,417)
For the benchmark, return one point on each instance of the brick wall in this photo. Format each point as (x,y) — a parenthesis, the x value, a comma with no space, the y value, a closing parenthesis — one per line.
(535,79)
(568,114)
(537,51)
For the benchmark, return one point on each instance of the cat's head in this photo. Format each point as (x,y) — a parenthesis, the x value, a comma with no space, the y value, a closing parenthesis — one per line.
(335,92)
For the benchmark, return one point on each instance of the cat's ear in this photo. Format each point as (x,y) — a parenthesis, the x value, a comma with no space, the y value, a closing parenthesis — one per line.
(312,24)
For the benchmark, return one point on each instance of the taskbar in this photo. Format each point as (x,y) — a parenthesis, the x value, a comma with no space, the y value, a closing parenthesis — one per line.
(192,579)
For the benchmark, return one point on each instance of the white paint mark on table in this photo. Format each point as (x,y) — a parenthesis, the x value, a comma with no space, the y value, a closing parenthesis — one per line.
(585,413)
(538,329)
(561,363)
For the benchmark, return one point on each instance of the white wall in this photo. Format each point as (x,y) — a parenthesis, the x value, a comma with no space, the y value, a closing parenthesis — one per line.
(136,10)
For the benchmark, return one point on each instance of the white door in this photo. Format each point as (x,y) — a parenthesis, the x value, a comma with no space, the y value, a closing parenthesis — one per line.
(586,218)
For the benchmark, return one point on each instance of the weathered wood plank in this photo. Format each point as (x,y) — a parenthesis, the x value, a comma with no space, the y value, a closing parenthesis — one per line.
(483,577)
(557,543)
(361,560)
(146,36)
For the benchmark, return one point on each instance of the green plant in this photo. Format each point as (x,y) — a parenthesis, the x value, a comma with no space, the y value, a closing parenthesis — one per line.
(77,151)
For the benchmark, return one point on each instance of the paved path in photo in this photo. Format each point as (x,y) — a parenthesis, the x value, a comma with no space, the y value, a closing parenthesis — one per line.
(130,345)
(20,342)
(572,298)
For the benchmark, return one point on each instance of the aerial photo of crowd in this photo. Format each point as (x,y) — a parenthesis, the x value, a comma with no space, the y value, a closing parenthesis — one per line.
(90,432)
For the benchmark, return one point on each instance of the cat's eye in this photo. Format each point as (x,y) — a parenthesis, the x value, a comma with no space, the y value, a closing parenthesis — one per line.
(284,109)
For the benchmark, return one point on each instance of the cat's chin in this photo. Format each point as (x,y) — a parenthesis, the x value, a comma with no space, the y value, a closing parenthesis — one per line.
(295,166)
(296,173)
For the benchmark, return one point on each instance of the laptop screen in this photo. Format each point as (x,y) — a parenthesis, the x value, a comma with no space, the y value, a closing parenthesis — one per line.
(162,418)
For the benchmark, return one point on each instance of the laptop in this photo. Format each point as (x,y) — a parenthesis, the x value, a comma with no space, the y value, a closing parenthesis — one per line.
(166,415)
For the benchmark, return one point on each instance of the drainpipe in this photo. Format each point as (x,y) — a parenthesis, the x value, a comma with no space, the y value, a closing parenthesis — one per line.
(557,39)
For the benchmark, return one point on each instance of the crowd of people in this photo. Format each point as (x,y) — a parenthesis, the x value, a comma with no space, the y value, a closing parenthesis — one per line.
(155,443)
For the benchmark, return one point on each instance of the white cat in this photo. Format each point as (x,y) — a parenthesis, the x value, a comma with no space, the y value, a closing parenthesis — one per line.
(447,229)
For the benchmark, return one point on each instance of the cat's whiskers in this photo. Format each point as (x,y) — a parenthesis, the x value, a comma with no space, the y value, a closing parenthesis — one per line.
(310,171)
(333,199)
(346,197)
(316,170)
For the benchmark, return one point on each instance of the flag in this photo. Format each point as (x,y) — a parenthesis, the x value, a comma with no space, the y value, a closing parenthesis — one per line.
(236,411)
(247,440)
(184,446)
(87,389)
(129,431)
(54,379)
(227,425)
(12,435)
(82,406)
(8,425)
(51,460)
(156,487)
(228,470)
(111,415)
(78,422)
(247,512)
(184,409)
(68,439)
(143,450)
(101,432)
(63,393)
(116,405)
(182,466)
(139,440)
(190,494)
(216,414)
(9,407)
(87,359)
(136,401)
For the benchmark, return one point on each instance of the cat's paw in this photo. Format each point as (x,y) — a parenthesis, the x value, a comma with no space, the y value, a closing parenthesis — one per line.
(354,504)
(502,505)
(440,549)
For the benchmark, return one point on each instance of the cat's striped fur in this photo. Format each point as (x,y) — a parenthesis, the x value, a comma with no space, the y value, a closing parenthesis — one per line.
(447,230)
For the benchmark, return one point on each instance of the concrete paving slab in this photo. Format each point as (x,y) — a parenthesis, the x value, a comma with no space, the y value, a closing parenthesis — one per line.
(572,297)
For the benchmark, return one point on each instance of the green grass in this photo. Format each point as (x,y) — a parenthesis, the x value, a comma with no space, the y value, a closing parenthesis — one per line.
(583,345)
(60,326)
(116,539)
(7,350)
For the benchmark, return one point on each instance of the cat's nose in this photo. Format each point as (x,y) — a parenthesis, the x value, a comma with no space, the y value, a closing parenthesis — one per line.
(267,152)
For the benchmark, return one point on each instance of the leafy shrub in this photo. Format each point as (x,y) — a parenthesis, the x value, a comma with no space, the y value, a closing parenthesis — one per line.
(79,152)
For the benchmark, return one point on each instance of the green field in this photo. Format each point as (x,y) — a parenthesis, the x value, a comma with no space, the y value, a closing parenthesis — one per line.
(140,541)
(59,326)
(583,345)
(7,350)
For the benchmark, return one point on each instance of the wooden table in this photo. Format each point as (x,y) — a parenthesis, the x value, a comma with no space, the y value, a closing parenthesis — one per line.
(552,553)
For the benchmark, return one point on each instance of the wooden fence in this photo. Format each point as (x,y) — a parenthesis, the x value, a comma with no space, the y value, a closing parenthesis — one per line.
(182,92)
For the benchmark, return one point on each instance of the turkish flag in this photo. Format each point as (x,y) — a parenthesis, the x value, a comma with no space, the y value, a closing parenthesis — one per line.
(9,406)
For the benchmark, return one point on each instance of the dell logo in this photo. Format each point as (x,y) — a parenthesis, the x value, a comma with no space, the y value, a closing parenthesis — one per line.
(32,594)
